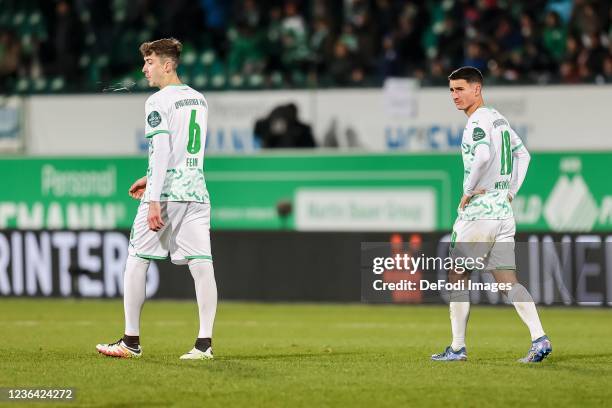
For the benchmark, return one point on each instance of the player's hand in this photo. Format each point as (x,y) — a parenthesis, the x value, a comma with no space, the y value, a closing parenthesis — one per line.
(154,218)
(138,188)
(465,200)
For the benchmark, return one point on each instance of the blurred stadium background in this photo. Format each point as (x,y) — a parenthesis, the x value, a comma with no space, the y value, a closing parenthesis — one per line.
(330,125)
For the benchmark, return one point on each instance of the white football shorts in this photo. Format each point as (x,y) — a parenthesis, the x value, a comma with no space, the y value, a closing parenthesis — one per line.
(185,235)
(492,240)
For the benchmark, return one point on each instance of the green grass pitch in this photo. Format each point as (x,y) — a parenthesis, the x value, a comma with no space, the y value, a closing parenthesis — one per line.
(304,355)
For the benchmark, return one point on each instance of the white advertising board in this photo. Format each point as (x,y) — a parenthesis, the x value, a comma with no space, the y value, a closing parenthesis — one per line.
(553,118)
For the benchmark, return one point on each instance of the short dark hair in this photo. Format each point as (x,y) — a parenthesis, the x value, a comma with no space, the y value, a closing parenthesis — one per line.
(166,48)
(470,74)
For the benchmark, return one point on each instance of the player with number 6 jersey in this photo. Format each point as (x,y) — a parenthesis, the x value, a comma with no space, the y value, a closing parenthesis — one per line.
(174,213)
(181,113)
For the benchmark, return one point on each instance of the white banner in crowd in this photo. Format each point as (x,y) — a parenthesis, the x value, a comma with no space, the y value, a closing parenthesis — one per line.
(398,117)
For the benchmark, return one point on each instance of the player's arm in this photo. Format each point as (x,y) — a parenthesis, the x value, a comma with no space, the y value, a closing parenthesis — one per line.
(481,158)
(482,155)
(159,166)
(520,164)
(156,129)
(137,189)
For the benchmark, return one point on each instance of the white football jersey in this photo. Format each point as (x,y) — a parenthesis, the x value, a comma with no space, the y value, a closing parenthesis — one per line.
(182,113)
(488,127)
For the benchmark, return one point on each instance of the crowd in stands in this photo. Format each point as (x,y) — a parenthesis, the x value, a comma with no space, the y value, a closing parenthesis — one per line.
(90,45)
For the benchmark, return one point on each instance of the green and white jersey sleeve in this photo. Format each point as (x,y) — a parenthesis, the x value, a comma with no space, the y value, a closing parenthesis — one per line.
(182,113)
(488,129)
(156,118)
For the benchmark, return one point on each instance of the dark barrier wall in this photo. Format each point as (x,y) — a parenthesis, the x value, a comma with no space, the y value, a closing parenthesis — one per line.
(284,266)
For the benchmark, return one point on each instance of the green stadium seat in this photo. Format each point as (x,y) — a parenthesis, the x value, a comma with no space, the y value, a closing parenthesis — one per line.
(40,84)
(236,81)
(256,81)
(276,79)
(22,85)
(102,60)
(189,58)
(84,61)
(207,58)
(57,84)
(200,81)
(218,81)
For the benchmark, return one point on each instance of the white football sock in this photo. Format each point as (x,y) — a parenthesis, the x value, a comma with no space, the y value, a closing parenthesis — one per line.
(206,293)
(134,283)
(459,313)
(526,309)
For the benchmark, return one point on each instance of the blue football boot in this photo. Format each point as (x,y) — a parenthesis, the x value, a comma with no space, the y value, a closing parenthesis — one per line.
(451,355)
(540,348)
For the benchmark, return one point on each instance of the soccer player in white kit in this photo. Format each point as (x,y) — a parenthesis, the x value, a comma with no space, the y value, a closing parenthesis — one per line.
(174,213)
(495,164)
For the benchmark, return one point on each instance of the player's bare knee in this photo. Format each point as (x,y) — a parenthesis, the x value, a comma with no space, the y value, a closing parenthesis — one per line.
(193,262)
(505,276)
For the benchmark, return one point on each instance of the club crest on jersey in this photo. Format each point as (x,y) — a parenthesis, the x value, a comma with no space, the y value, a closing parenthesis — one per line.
(478,134)
(154,119)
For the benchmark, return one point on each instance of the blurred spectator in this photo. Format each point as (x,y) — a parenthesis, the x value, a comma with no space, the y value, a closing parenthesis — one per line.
(606,75)
(507,37)
(246,54)
(274,45)
(585,19)
(474,56)
(294,40)
(10,52)
(250,14)
(344,68)
(554,36)
(409,42)
(66,39)
(591,58)
(489,16)
(390,64)
(450,41)
(438,74)
(572,49)
(321,45)
(569,73)
(385,14)
(215,22)
(283,129)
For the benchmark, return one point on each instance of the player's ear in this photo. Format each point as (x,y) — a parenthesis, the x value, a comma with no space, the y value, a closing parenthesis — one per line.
(168,65)
(477,89)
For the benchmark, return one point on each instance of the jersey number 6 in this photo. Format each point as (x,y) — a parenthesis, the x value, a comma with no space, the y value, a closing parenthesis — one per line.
(193,145)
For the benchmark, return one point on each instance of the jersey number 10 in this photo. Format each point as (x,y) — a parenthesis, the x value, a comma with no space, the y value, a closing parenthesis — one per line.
(194,144)
(506,154)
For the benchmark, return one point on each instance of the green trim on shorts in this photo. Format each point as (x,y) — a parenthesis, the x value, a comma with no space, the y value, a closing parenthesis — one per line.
(199,257)
(517,147)
(151,256)
(512,268)
(157,132)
